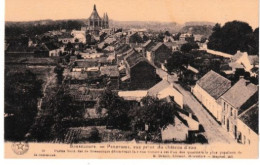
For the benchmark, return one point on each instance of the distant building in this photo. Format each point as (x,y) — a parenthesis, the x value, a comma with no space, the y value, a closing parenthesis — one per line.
(112,73)
(66,38)
(79,36)
(140,74)
(235,101)
(208,91)
(96,23)
(249,63)
(159,54)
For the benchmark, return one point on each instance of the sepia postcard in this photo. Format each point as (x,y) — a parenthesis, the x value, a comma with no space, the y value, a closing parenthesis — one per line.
(135,79)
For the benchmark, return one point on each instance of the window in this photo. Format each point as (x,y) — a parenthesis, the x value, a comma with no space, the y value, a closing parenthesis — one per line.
(231,113)
(224,106)
(244,139)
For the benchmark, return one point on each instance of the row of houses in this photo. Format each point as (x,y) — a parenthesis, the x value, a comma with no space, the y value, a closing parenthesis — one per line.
(234,107)
(184,124)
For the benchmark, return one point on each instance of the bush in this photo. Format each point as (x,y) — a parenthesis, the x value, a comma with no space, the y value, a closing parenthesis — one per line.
(94,135)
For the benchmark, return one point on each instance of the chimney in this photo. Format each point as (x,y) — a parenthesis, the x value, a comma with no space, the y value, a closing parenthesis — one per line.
(190,115)
(247,82)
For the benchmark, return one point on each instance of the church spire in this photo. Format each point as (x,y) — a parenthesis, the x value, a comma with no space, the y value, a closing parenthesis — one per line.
(94,7)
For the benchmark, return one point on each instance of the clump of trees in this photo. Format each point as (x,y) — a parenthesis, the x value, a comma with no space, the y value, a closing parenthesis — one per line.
(189,46)
(154,113)
(117,110)
(234,36)
(22,90)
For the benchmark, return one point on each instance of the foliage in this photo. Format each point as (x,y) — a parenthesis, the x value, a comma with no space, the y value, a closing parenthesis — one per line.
(156,114)
(94,135)
(59,73)
(22,90)
(189,46)
(234,36)
(117,109)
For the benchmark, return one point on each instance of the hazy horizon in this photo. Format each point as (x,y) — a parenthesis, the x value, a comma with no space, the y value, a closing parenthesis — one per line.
(167,11)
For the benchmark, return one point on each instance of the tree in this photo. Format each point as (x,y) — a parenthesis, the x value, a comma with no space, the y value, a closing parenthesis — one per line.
(22,90)
(231,37)
(94,135)
(117,109)
(156,114)
(189,46)
(59,73)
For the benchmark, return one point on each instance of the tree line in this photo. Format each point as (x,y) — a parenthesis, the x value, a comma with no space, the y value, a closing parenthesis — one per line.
(234,36)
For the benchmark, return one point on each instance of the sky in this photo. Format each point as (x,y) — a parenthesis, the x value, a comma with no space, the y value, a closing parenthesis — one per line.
(179,11)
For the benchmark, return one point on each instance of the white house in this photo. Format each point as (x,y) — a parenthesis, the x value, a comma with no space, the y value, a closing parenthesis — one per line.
(209,89)
(164,89)
(136,95)
(243,60)
(178,131)
(79,35)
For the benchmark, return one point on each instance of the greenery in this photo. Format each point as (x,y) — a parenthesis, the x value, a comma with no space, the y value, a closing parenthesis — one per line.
(22,90)
(189,46)
(154,113)
(234,36)
(117,110)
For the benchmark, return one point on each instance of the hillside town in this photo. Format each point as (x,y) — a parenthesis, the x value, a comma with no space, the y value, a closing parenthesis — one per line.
(97,83)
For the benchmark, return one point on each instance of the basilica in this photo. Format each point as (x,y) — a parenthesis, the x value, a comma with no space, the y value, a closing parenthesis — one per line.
(96,23)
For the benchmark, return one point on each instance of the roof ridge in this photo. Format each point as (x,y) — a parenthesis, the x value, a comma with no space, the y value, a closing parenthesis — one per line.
(248,109)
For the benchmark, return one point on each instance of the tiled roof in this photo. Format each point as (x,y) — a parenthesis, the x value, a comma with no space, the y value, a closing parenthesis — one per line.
(111,71)
(85,63)
(250,117)
(157,46)
(133,58)
(158,87)
(214,84)
(240,93)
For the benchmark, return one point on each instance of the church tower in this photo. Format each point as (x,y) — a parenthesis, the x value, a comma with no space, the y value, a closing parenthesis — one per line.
(95,23)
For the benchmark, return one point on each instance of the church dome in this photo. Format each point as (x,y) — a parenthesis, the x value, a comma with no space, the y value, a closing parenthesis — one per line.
(94,15)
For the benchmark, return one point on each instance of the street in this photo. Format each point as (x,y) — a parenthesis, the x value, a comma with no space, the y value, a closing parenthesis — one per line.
(214,133)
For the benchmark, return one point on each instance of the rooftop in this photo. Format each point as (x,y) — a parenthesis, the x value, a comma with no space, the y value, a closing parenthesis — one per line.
(158,87)
(214,84)
(250,117)
(240,93)
(111,71)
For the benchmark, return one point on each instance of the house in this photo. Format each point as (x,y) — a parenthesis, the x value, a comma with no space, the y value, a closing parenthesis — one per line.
(84,65)
(147,46)
(112,73)
(49,49)
(179,131)
(140,73)
(197,37)
(247,126)
(168,39)
(209,89)
(133,38)
(159,54)
(135,95)
(243,60)
(235,101)
(66,38)
(79,35)
(164,89)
